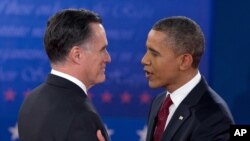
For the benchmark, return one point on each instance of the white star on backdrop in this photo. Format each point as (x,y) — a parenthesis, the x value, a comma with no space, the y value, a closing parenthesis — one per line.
(110,131)
(142,133)
(14,132)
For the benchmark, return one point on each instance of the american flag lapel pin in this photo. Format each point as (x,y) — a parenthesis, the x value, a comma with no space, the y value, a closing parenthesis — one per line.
(181,117)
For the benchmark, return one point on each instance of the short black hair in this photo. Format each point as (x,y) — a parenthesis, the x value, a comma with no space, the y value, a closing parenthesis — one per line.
(65,29)
(186,35)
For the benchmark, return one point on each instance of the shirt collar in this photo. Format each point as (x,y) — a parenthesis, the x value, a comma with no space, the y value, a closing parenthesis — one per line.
(178,95)
(70,78)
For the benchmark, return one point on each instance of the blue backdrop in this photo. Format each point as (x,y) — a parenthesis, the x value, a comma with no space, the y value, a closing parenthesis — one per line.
(123,100)
(230,63)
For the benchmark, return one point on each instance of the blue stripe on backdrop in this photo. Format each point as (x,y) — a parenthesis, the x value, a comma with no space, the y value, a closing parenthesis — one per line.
(123,100)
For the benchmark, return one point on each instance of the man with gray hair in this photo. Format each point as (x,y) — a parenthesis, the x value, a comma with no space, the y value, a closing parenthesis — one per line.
(59,110)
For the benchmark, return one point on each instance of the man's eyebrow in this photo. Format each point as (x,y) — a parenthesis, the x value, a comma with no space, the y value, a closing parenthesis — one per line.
(153,50)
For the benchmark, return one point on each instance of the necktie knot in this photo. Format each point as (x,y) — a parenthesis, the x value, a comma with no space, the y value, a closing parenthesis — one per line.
(162,118)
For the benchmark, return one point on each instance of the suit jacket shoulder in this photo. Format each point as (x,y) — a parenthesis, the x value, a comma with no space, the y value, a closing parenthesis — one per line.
(58,110)
(202,115)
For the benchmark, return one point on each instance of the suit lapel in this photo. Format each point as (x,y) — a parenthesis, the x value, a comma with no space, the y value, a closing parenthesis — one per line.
(153,115)
(179,117)
(92,108)
(106,135)
(183,111)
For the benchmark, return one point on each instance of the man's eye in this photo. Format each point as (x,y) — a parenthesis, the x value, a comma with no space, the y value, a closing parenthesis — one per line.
(154,54)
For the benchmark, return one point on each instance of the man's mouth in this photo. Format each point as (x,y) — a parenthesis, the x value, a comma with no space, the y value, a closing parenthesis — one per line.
(148,74)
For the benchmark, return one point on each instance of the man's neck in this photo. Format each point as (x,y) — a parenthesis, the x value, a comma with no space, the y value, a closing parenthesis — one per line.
(183,79)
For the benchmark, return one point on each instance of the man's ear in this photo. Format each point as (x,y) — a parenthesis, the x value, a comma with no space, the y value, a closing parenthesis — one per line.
(186,61)
(76,54)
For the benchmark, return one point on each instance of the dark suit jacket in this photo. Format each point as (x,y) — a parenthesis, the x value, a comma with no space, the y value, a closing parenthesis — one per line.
(206,117)
(58,110)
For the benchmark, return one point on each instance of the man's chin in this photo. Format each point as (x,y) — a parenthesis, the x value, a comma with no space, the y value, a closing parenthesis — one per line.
(153,85)
(102,79)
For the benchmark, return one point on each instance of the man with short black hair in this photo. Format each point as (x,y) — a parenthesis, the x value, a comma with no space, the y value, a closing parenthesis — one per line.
(189,110)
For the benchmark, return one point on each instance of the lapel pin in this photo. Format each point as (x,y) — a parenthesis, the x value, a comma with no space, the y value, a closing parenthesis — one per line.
(181,117)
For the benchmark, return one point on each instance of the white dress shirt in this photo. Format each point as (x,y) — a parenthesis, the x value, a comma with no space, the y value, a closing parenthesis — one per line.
(70,78)
(178,95)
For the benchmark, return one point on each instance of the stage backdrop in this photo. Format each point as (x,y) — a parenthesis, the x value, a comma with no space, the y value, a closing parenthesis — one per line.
(123,100)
